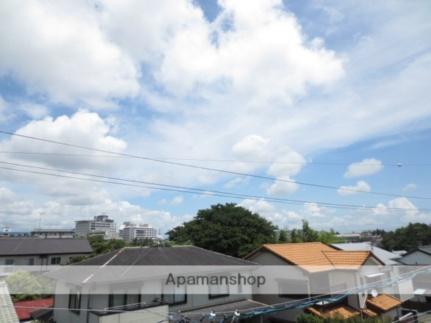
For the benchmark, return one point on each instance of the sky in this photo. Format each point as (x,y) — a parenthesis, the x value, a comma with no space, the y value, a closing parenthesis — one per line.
(328,93)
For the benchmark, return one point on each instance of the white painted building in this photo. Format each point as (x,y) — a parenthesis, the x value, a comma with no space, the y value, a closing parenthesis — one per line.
(132,231)
(101,224)
(53,233)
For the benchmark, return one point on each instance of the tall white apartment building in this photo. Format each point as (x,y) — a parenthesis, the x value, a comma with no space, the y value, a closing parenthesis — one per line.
(101,224)
(132,231)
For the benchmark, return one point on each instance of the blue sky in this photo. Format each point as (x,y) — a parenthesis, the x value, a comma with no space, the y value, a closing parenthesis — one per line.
(309,89)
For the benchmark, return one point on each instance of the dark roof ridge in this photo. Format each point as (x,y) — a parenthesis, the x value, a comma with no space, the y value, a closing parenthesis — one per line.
(222,254)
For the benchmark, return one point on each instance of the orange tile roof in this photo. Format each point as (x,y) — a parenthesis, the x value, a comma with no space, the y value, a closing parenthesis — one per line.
(347,258)
(369,312)
(383,302)
(317,256)
(341,311)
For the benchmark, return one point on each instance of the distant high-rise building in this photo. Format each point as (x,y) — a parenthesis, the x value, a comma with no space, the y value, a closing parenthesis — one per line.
(100,225)
(132,231)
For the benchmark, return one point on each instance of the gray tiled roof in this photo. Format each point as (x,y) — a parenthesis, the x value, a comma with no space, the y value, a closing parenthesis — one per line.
(37,246)
(426,249)
(165,256)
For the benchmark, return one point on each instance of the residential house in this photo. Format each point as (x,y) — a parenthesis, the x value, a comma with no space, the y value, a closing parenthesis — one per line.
(321,269)
(389,259)
(36,251)
(421,256)
(90,300)
(53,233)
(418,257)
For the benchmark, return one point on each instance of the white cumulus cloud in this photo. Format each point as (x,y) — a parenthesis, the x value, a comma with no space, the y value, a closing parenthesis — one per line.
(366,167)
(361,186)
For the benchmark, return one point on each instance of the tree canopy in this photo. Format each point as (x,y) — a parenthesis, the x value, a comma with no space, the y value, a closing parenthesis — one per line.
(408,237)
(100,245)
(226,228)
(308,234)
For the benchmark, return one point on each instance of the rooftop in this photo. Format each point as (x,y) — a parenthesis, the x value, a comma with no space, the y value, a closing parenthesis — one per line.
(164,256)
(37,246)
(425,249)
(388,258)
(7,313)
(24,309)
(317,256)
(339,311)
(383,303)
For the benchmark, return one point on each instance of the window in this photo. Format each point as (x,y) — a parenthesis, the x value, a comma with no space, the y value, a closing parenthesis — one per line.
(9,262)
(30,261)
(173,295)
(219,290)
(75,300)
(55,260)
(117,300)
(129,298)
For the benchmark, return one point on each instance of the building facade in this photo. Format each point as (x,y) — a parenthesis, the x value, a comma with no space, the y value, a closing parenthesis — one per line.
(53,233)
(41,252)
(321,269)
(133,231)
(101,224)
(103,302)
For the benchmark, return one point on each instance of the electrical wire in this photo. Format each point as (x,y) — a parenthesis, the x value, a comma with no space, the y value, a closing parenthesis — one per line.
(219,170)
(216,160)
(301,303)
(344,293)
(182,189)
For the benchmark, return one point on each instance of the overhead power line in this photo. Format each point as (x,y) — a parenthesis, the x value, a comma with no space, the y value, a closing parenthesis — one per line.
(218,160)
(219,170)
(177,188)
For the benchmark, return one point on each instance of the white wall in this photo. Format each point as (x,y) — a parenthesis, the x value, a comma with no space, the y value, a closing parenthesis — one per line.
(101,301)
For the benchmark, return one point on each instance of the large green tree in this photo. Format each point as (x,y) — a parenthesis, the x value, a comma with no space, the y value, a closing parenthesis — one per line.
(226,228)
(408,237)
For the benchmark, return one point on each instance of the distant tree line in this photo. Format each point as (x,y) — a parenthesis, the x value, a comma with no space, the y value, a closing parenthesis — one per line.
(407,238)
(236,231)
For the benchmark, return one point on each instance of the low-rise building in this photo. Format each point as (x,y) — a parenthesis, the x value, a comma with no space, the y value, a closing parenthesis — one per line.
(419,256)
(132,231)
(89,299)
(101,224)
(319,269)
(53,233)
(36,251)
(349,237)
